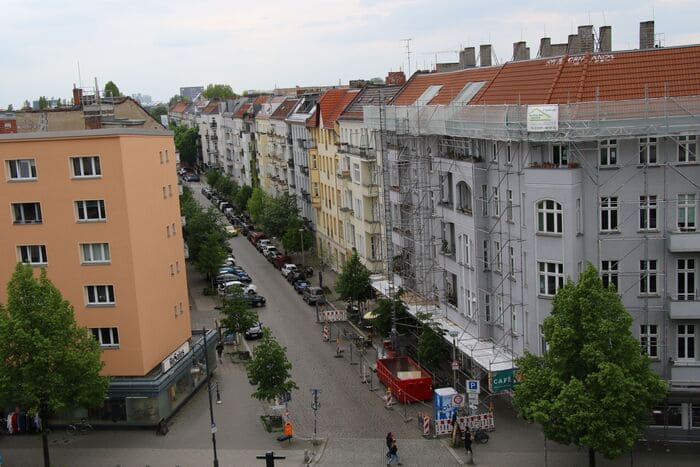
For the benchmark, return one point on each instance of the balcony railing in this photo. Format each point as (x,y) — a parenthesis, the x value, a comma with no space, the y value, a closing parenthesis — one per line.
(345,174)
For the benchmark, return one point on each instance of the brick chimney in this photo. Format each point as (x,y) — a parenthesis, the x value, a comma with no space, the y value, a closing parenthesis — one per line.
(485,55)
(77,95)
(545,47)
(646,35)
(467,58)
(605,39)
(520,51)
(574,44)
(585,37)
(395,78)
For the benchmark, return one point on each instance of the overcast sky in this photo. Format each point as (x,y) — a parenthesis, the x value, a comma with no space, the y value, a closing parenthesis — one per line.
(155,46)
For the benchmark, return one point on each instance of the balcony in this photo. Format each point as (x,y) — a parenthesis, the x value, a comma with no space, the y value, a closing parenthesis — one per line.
(459,156)
(684,242)
(343,174)
(290,163)
(305,169)
(685,309)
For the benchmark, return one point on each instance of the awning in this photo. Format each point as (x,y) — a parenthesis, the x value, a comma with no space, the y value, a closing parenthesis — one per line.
(486,353)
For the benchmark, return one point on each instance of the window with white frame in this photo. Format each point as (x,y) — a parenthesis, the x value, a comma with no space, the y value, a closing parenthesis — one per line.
(648,148)
(687,149)
(358,208)
(107,337)
(608,152)
(32,254)
(686,212)
(685,344)
(86,166)
(511,261)
(356,173)
(497,256)
(487,307)
(21,169)
(647,212)
(95,253)
(560,155)
(494,153)
(484,200)
(486,254)
(509,154)
(91,210)
(99,294)
(466,259)
(464,198)
(685,279)
(26,213)
(608,214)
(549,216)
(494,200)
(469,306)
(509,205)
(551,277)
(499,310)
(513,321)
(579,217)
(647,277)
(649,339)
(608,272)
(374,247)
(543,342)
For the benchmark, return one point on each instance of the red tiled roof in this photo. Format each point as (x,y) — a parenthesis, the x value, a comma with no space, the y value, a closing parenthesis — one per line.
(178,107)
(211,108)
(261,100)
(241,110)
(331,105)
(284,109)
(452,83)
(368,96)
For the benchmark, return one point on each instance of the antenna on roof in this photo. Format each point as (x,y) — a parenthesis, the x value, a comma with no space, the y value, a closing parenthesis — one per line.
(80,80)
(408,54)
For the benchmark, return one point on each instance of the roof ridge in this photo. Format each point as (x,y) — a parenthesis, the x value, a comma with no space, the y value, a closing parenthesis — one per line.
(564,60)
(582,79)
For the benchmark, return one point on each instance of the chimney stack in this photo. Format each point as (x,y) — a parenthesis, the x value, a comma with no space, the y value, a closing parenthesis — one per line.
(585,36)
(77,96)
(545,47)
(605,39)
(646,35)
(467,58)
(574,44)
(485,55)
(520,51)
(395,78)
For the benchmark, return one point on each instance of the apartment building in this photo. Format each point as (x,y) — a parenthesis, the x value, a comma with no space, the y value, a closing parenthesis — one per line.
(263,130)
(99,209)
(281,155)
(504,181)
(302,143)
(210,123)
(325,176)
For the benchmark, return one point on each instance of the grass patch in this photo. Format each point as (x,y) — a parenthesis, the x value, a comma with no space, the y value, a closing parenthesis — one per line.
(272,423)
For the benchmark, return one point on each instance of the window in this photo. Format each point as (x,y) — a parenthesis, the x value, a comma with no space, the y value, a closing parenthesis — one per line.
(484,200)
(560,155)
(165,193)
(107,337)
(32,254)
(95,252)
(551,278)
(608,272)
(685,279)
(468,303)
(543,341)
(549,216)
(497,256)
(647,277)
(686,212)
(647,212)
(494,154)
(649,339)
(686,341)
(608,152)
(467,255)
(161,156)
(608,214)
(499,310)
(167,157)
(451,289)
(356,173)
(88,166)
(647,150)
(687,149)
(21,169)
(487,307)
(91,210)
(509,154)
(170,191)
(100,294)
(486,254)
(496,207)
(509,205)
(167,231)
(374,247)
(26,213)
(464,194)
(579,217)
(511,255)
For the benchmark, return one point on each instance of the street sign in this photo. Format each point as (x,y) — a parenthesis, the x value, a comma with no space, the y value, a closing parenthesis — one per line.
(473,386)
(503,380)
(473,399)
(458,400)
(455,365)
(213,429)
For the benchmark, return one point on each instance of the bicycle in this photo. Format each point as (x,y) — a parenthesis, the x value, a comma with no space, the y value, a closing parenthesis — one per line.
(80,427)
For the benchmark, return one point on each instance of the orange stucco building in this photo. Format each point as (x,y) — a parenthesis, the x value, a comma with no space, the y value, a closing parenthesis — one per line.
(99,209)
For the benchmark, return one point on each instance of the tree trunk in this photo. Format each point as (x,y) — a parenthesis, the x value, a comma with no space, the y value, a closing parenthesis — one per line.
(591,457)
(45,439)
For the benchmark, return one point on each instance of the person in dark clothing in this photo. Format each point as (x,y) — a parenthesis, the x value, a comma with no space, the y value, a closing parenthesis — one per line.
(220,350)
(393,454)
(468,440)
(389,439)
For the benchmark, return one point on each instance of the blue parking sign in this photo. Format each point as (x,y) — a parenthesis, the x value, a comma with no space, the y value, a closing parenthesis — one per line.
(473,386)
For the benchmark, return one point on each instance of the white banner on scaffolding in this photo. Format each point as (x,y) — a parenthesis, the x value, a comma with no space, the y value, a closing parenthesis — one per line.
(542,118)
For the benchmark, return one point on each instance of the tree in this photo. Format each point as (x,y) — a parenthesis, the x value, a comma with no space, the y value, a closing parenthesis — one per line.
(43,102)
(433,351)
(218,91)
(593,387)
(50,364)
(277,212)
(186,144)
(157,110)
(26,105)
(227,188)
(111,90)
(10,108)
(256,204)
(199,226)
(178,98)
(270,369)
(213,177)
(382,323)
(238,314)
(293,239)
(353,284)
(210,255)
(242,197)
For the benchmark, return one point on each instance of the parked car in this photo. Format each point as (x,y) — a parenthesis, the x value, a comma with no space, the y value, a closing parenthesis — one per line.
(243,277)
(254,332)
(272,257)
(255,300)
(254,237)
(190,177)
(231,231)
(225,288)
(301,285)
(229,261)
(225,277)
(262,244)
(287,268)
(206,191)
(292,277)
(314,295)
(281,260)
(224,205)
(269,249)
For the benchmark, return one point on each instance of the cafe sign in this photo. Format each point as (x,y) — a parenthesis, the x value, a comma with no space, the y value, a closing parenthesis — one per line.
(175,357)
(503,380)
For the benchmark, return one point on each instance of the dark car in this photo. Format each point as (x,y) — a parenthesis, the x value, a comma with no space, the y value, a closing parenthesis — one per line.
(301,285)
(292,277)
(254,332)
(254,300)
(243,277)
(206,191)
(314,295)
(190,177)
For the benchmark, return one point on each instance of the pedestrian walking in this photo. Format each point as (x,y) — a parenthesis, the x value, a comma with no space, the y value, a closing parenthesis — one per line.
(393,454)
(220,350)
(468,446)
(389,440)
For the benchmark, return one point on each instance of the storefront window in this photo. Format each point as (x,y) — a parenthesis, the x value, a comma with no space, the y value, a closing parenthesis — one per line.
(695,416)
(113,410)
(672,416)
(179,390)
(142,409)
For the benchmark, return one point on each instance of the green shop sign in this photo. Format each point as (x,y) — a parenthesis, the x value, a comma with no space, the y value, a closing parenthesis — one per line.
(503,380)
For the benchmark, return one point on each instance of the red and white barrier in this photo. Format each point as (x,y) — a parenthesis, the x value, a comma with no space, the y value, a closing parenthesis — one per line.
(426,426)
(326,333)
(328,316)
(485,421)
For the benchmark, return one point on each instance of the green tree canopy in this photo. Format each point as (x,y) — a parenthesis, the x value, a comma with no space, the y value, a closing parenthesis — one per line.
(593,387)
(257,204)
(237,311)
(26,105)
(111,90)
(178,98)
(270,369)
(50,364)
(227,188)
(353,284)
(43,102)
(242,197)
(218,91)
(277,212)
(186,144)
(210,254)
(293,240)
(382,323)
(433,351)
(10,107)
(157,110)
(213,177)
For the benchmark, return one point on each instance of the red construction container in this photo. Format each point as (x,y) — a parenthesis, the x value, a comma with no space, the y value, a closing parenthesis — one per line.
(406,379)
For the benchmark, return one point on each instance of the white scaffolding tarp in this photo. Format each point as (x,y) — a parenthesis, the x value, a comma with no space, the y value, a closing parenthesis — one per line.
(486,353)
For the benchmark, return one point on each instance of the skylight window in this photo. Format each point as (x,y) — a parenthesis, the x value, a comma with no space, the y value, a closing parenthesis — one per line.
(428,94)
(468,92)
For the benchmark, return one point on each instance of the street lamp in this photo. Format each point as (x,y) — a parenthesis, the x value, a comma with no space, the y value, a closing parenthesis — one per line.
(301,238)
(454,334)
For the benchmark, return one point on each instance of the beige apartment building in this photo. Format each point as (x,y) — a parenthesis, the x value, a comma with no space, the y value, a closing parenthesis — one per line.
(99,209)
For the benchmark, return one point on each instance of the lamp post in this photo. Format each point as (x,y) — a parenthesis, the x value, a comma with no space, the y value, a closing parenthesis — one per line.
(301,238)
(454,335)
(218,397)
